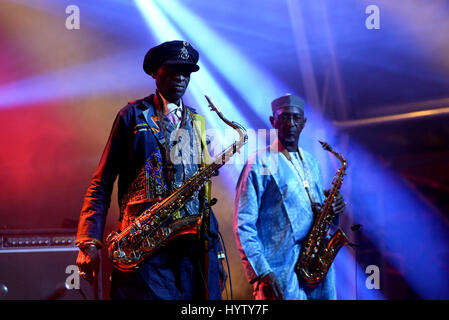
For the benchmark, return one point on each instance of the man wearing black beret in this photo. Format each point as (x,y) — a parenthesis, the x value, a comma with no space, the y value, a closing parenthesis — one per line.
(142,152)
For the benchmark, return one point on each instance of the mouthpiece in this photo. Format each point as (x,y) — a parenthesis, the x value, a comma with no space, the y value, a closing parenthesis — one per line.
(325,146)
(211,104)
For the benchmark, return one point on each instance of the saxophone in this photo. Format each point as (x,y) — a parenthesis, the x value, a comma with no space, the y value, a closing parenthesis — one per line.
(318,252)
(155,227)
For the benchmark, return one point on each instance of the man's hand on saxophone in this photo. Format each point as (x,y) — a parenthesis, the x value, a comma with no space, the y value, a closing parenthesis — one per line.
(88,262)
(338,206)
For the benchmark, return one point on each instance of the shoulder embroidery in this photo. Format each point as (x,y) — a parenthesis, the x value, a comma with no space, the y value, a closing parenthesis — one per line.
(155,128)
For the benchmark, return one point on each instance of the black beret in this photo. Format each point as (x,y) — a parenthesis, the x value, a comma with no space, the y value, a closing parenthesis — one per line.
(171,52)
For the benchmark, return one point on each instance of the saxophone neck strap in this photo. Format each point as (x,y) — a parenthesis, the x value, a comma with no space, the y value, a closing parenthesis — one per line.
(169,166)
(199,127)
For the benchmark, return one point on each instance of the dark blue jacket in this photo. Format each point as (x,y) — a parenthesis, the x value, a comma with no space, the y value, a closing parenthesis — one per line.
(134,154)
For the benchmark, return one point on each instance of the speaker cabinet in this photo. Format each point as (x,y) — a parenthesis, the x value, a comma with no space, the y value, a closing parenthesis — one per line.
(43,271)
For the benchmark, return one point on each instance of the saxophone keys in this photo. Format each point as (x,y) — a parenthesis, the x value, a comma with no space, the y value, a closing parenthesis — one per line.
(149,245)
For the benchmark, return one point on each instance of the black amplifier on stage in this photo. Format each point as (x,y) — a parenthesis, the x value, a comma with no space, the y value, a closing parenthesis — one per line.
(41,264)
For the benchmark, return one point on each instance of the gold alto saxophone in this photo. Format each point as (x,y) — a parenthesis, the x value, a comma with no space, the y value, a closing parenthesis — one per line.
(318,252)
(155,227)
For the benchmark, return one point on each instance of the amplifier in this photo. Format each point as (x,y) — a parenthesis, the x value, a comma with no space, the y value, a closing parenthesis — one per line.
(41,264)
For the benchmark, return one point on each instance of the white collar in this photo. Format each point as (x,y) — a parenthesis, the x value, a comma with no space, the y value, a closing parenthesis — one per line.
(277,145)
(168,106)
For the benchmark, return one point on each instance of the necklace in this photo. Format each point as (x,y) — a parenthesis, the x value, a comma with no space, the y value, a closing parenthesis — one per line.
(303,174)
